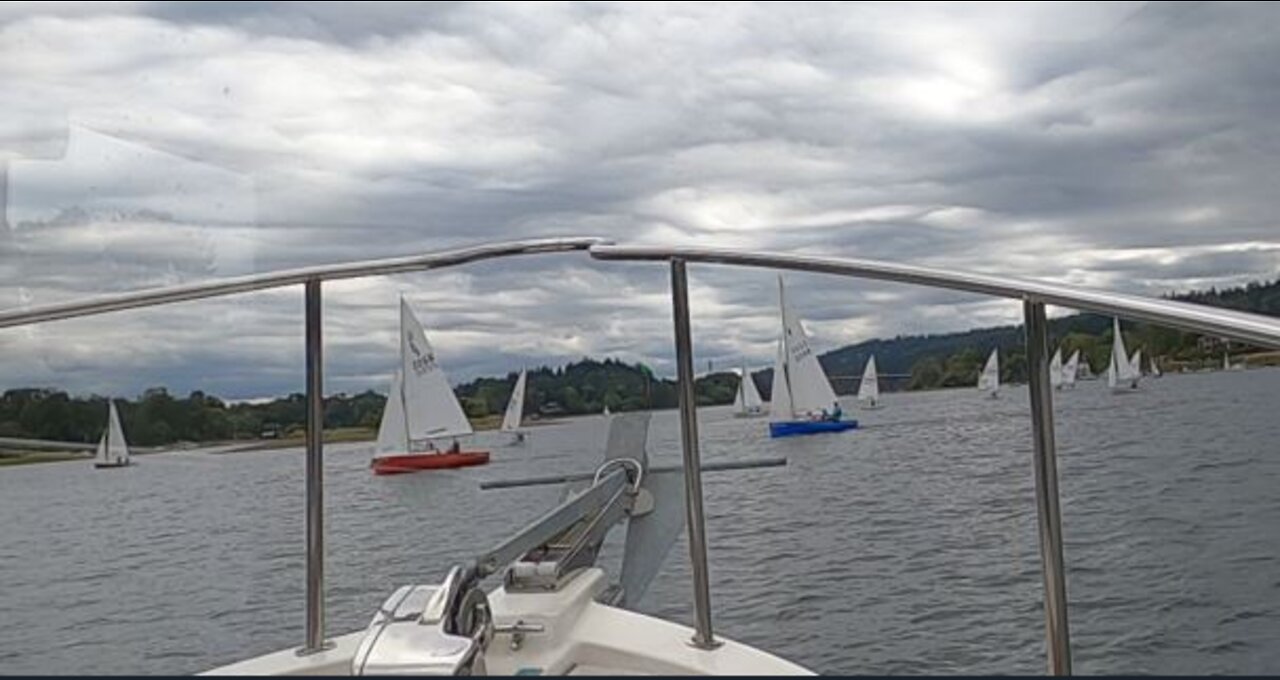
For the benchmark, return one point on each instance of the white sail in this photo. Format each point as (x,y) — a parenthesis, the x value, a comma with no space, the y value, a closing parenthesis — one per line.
(780,407)
(112,448)
(869,388)
(1155,370)
(1119,369)
(515,406)
(1055,369)
(809,388)
(1135,363)
(1226,362)
(747,400)
(431,409)
(1071,369)
(989,380)
(393,431)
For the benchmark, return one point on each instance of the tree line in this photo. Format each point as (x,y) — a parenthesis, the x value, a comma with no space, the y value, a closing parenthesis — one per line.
(157,417)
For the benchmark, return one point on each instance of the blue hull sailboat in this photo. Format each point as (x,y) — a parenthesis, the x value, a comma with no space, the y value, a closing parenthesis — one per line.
(803,401)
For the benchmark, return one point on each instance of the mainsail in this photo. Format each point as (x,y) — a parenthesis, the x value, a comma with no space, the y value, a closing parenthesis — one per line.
(748,398)
(1055,369)
(431,409)
(515,407)
(1119,369)
(807,386)
(1069,371)
(112,449)
(989,380)
(869,388)
(393,431)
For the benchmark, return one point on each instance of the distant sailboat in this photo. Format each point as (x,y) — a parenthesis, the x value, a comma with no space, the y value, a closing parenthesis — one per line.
(747,403)
(1121,375)
(112,452)
(803,401)
(1155,369)
(989,380)
(515,411)
(421,408)
(869,388)
(1055,369)
(606,411)
(1070,371)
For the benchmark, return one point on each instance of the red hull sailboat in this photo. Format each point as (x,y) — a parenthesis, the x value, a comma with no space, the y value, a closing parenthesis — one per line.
(421,408)
(414,462)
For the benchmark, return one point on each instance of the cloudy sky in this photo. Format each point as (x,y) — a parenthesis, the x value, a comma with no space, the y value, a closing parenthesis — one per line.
(1132,146)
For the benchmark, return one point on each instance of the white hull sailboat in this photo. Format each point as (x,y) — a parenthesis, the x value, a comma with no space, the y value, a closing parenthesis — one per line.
(803,401)
(113,451)
(515,411)
(989,379)
(1122,375)
(747,402)
(869,386)
(421,409)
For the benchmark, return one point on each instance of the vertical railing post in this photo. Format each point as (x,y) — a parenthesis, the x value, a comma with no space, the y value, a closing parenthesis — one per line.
(315,473)
(703,637)
(1057,632)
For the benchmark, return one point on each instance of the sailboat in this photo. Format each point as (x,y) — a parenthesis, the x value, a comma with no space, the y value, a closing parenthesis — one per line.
(1055,369)
(1155,369)
(1070,370)
(515,411)
(989,380)
(112,452)
(421,408)
(747,403)
(869,388)
(803,401)
(1121,374)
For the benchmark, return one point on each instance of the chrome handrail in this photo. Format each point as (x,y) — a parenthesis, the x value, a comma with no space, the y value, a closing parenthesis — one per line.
(311,279)
(1035,295)
(291,277)
(1243,326)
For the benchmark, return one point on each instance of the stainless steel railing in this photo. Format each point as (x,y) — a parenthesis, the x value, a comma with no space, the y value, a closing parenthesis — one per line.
(311,279)
(1250,328)
(1035,295)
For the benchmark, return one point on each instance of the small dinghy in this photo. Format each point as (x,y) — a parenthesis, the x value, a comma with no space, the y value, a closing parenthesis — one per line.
(112,452)
(747,403)
(421,409)
(989,379)
(803,401)
(869,388)
(1122,372)
(515,411)
(1070,371)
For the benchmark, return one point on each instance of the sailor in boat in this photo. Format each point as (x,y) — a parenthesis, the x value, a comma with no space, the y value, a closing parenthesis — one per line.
(455,447)
(836,411)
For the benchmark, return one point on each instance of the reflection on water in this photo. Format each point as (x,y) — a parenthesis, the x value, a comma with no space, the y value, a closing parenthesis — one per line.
(906,547)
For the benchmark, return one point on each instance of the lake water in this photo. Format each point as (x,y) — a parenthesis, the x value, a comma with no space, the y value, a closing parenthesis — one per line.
(908,546)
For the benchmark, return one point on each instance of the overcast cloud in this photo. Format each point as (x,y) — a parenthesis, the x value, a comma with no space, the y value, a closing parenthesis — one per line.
(1131,146)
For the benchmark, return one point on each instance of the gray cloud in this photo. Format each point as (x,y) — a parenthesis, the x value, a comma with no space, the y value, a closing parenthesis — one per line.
(1130,146)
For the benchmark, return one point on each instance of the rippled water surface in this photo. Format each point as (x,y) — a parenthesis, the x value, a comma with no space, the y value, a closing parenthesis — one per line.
(906,547)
